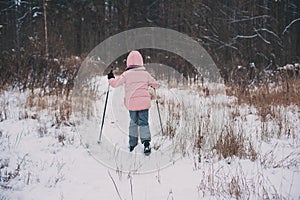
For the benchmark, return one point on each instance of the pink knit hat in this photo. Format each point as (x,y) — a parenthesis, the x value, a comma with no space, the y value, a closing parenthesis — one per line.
(134,59)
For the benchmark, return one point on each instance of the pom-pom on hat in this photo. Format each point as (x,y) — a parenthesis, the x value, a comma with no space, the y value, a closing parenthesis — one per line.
(134,59)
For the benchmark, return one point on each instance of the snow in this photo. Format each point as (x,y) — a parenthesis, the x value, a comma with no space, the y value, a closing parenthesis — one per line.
(36,14)
(36,164)
(295,67)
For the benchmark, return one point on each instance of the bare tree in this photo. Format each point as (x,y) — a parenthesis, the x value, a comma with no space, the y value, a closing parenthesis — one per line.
(45,28)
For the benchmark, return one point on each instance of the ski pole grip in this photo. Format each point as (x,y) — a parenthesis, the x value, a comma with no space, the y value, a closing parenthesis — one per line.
(111,70)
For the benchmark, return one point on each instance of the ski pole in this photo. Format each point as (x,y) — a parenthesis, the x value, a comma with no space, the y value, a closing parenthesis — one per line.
(102,123)
(156,100)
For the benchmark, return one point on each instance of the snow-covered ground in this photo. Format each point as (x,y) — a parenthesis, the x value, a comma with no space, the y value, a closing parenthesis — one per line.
(40,159)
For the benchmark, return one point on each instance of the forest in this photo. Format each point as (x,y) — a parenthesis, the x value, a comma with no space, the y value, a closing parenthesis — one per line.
(37,36)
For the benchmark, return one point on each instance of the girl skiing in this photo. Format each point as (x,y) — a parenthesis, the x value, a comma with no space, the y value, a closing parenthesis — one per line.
(137,98)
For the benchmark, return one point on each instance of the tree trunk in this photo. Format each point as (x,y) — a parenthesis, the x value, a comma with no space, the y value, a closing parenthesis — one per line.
(45,29)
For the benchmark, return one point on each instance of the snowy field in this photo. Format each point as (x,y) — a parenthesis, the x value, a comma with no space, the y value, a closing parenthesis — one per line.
(43,157)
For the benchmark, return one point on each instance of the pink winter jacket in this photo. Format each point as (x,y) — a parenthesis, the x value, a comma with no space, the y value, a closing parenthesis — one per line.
(136,82)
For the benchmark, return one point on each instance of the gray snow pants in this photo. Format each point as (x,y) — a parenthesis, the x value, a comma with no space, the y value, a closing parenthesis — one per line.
(139,125)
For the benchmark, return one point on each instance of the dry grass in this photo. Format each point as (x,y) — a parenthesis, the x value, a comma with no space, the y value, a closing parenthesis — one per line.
(229,145)
(262,96)
(271,101)
(172,119)
(270,160)
(223,182)
(59,107)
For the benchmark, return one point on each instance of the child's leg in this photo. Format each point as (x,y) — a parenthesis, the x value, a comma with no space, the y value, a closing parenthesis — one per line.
(144,125)
(133,128)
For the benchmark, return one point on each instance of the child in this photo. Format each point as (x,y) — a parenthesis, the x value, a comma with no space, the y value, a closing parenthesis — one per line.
(137,98)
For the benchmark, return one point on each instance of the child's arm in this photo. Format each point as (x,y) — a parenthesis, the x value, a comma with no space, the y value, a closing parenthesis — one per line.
(116,82)
(152,82)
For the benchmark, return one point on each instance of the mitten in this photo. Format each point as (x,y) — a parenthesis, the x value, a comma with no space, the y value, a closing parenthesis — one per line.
(110,75)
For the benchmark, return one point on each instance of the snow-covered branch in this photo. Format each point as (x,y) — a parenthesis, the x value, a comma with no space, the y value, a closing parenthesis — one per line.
(21,18)
(249,18)
(290,24)
(245,36)
(258,34)
(268,31)
(261,37)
